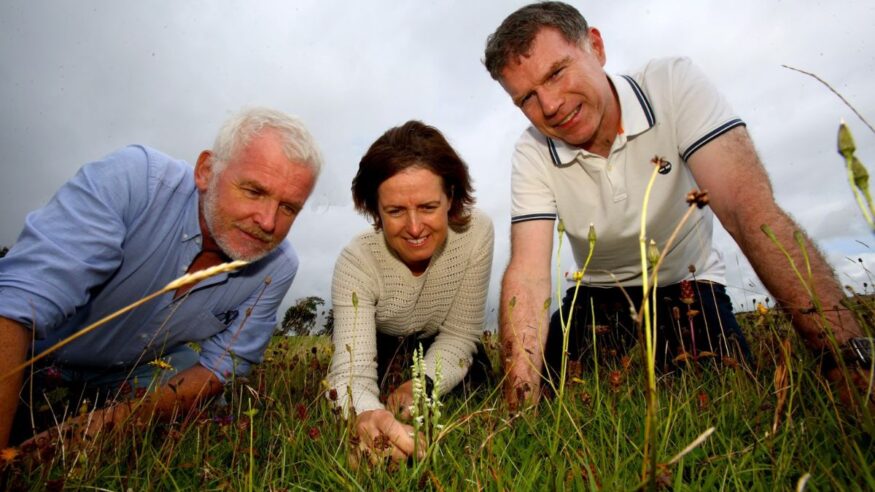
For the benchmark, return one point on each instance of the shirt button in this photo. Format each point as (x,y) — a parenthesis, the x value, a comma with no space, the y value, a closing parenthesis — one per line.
(185,236)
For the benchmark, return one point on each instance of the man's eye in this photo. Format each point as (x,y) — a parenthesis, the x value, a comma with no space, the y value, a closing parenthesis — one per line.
(288,210)
(556,74)
(251,192)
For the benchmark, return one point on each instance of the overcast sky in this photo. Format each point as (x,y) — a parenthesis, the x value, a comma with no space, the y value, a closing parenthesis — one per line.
(81,79)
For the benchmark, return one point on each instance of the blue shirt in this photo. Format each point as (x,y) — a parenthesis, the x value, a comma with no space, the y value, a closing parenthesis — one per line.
(121,229)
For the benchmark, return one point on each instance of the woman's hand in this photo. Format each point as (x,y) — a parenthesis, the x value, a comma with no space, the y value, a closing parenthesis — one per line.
(400,401)
(382,436)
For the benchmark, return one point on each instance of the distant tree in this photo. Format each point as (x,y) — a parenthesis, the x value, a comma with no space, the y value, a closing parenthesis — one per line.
(328,326)
(301,318)
(3,251)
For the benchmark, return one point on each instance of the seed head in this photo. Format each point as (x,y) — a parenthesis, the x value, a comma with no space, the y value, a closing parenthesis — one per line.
(591,236)
(652,253)
(560,227)
(861,175)
(846,145)
(191,278)
(698,198)
(687,294)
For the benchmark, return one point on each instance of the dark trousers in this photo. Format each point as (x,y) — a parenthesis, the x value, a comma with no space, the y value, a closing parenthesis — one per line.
(395,358)
(706,329)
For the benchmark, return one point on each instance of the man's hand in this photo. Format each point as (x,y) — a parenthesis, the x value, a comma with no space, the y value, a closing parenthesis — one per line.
(400,401)
(382,436)
(854,389)
(83,429)
(14,340)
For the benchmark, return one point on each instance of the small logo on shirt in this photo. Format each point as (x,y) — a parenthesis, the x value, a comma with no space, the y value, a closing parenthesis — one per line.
(228,317)
(664,166)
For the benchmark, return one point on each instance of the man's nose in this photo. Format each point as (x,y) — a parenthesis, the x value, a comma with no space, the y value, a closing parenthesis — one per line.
(265,217)
(551,101)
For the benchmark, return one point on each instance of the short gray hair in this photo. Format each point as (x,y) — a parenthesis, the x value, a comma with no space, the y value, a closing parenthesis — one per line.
(298,144)
(514,36)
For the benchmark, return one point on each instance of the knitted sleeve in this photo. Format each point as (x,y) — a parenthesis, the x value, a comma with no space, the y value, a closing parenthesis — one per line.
(353,371)
(456,340)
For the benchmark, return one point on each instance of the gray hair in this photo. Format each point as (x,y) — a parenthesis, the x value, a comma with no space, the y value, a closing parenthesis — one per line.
(514,36)
(298,144)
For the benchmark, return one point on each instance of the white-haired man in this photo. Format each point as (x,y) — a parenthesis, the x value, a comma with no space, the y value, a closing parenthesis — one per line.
(127,225)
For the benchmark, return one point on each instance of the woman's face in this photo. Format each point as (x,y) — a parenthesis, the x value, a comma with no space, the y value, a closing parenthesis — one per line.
(414,212)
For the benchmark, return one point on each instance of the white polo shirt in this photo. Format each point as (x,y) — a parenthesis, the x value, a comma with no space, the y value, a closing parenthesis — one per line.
(669,109)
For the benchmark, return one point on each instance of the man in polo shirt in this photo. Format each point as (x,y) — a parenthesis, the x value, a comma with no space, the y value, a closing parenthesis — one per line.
(587,159)
(126,226)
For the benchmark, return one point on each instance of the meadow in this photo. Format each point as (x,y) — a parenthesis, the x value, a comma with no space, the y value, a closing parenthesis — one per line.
(776,426)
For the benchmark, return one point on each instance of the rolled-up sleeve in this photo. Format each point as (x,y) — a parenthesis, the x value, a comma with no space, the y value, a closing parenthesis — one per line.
(234,350)
(74,243)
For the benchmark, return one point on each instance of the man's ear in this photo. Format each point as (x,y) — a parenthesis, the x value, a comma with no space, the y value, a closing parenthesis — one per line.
(598,45)
(203,170)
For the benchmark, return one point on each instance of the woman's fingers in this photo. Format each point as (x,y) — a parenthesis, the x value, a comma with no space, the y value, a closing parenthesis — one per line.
(400,400)
(382,435)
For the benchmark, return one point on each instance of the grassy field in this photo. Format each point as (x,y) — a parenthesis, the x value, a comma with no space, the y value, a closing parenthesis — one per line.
(279,432)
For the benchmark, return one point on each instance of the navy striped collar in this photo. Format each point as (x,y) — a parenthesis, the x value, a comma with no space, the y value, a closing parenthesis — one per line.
(637,113)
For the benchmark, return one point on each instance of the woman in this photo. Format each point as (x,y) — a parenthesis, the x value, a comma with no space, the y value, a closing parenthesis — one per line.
(420,276)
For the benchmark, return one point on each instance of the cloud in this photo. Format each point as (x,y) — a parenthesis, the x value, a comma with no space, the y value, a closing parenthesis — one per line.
(79,80)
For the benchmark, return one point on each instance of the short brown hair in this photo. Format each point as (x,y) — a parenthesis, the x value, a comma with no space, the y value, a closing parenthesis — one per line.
(514,36)
(413,144)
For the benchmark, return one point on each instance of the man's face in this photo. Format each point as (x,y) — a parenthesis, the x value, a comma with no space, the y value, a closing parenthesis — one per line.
(563,90)
(250,205)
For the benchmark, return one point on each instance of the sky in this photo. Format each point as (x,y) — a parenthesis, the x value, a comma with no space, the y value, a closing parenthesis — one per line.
(81,79)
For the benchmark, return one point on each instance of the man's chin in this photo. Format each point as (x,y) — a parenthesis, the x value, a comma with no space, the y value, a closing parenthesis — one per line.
(251,255)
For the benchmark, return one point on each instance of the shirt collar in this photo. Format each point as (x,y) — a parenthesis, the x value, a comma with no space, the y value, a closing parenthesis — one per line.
(637,116)
(191,228)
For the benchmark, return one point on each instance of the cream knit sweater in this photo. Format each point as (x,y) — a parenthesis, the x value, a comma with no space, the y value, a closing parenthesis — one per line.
(448,299)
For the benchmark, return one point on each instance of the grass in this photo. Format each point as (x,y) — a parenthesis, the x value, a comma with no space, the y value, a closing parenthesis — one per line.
(278,431)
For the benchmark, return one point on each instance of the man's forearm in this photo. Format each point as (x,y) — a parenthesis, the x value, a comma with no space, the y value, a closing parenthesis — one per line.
(778,276)
(182,393)
(14,339)
(523,335)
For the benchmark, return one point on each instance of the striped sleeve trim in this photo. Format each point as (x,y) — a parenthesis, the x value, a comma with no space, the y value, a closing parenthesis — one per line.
(527,217)
(698,144)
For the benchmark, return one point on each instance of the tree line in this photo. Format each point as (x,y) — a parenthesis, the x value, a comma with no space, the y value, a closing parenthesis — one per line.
(300,318)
